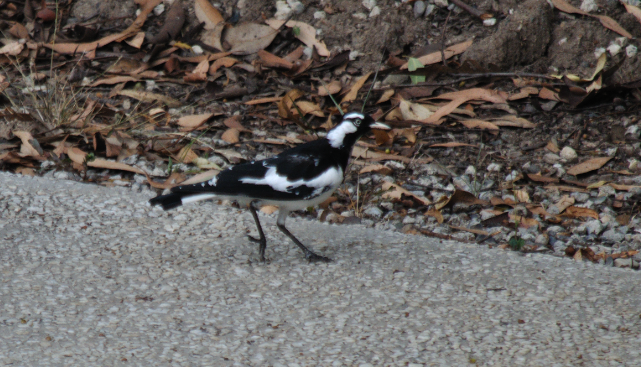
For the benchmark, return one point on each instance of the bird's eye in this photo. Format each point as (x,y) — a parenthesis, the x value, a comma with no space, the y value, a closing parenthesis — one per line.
(357,122)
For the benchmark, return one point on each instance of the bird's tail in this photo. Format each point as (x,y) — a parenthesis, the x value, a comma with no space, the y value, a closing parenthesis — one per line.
(176,199)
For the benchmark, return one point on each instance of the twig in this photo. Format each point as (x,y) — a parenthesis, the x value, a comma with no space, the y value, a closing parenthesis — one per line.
(443,39)
(470,9)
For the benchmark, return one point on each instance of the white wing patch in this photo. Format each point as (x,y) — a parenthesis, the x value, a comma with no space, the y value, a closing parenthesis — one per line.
(329,179)
(213,181)
(194,198)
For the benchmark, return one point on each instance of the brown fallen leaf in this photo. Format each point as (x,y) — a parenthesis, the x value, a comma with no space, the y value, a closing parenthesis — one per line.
(566,188)
(587,166)
(576,212)
(26,171)
(478,124)
(263,100)
(629,8)
(414,111)
(376,168)
(199,73)
(89,49)
(452,144)
(548,94)
(386,96)
(460,196)
(393,191)
(306,34)
(268,209)
(114,80)
(191,122)
(353,91)
(12,48)
(207,14)
(174,20)
(435,57)
(287,101)
(231,136)
(249,38)
(150,97)
(435,214)
(173,180)
(373,156)
(30,146)
(539,178)
(523,93)
(233,122)
(332,87)
(306,108)
(270,60)
(606,21)
(221,62)
(103,163)
(185,155)
(513,121)
(624,187)
(460,97)
(564,202)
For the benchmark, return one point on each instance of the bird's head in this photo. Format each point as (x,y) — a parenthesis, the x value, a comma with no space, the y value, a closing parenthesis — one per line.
(351,128)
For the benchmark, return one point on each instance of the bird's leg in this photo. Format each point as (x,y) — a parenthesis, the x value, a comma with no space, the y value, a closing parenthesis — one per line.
(309,255)
(262,241)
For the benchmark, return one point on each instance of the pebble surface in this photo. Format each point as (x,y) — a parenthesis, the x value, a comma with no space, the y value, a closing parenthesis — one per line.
(91,276)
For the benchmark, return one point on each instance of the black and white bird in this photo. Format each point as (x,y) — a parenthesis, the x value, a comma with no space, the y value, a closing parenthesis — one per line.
(297,178)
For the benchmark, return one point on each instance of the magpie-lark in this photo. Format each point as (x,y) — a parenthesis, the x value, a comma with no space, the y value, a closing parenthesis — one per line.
(295,179)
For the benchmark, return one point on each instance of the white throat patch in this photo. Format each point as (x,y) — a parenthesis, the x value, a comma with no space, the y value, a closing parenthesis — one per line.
(337,135)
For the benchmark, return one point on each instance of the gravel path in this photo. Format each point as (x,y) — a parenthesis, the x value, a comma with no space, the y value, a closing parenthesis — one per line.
(94,277)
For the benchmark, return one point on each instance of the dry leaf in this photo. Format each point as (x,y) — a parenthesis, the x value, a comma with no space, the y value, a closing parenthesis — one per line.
(376,168)
(478,124)
(414,111)
(513,121)
(523,93)
(103,163)
(201,177)
(307,34)
(207,14)
(114,80)
(606,21)
(89,49)
(223,61)
(199,73)
(12,48)
(460,97)
(149,97)
(522,196)
(233,122)
(263,100)
(191,122)
(185,155)
(471,230)
(30,146)
(587,166)
(174,179)
(353,91)
(435,57)
(539,178)
(460,196)
(231,136)
(435,214)
(387,94)
(174,20)
(286,102)
(576,212)
(273,61)
(565,202)
(393,191)
(359,152)
(630,9)
(249,38)
(624,187)
(452,144)
(332,88)
(269,209)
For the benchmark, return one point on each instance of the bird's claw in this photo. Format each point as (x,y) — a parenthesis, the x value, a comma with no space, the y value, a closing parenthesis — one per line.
(313,258)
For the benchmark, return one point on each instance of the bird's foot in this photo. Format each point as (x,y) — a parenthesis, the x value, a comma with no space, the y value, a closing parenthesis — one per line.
(261,248)
(313,258)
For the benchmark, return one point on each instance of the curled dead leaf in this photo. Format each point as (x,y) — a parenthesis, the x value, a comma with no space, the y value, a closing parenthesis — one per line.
(587,166)
(207,14)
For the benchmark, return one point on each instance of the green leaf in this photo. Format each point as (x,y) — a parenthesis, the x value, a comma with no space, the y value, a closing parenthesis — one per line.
(516,243)
(417,79)
(296,31)
(413,64)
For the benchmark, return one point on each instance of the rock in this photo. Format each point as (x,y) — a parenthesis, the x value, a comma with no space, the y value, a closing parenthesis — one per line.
(551,158)
(568,154)
(320,15)
(612,235)
(369,4)
(296,6)
(470,171)
(419,8)
(441,3)
(374,212)
(623,263)
(594,227)
(376,11)
(606,191)
(589,6)
(430,10)
(283,10)
(494,167)
(580,197)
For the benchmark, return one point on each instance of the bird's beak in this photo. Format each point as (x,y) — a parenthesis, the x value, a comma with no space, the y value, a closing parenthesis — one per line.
(380,126)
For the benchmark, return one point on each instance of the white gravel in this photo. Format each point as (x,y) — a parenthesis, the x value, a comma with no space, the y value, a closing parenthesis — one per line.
(91,276)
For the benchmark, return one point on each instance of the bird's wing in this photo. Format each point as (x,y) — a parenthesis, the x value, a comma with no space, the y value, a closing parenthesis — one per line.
(292,175)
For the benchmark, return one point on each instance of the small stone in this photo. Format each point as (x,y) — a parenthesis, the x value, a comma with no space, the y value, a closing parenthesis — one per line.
(623,263)
(441,3)
(580,197)
(568,154)
(296,6)
(409,220)
(374,212)
(369,4)
(419,8)
(158,10)
(542,240)
(553,209)
(494,167)
(594,227)
(376,11)
(470,171)
(361,16)
(606,191)
(612,235)
(589,6)
(551,158)
(631,50)
(429,10)
(320,15)
(283,10)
